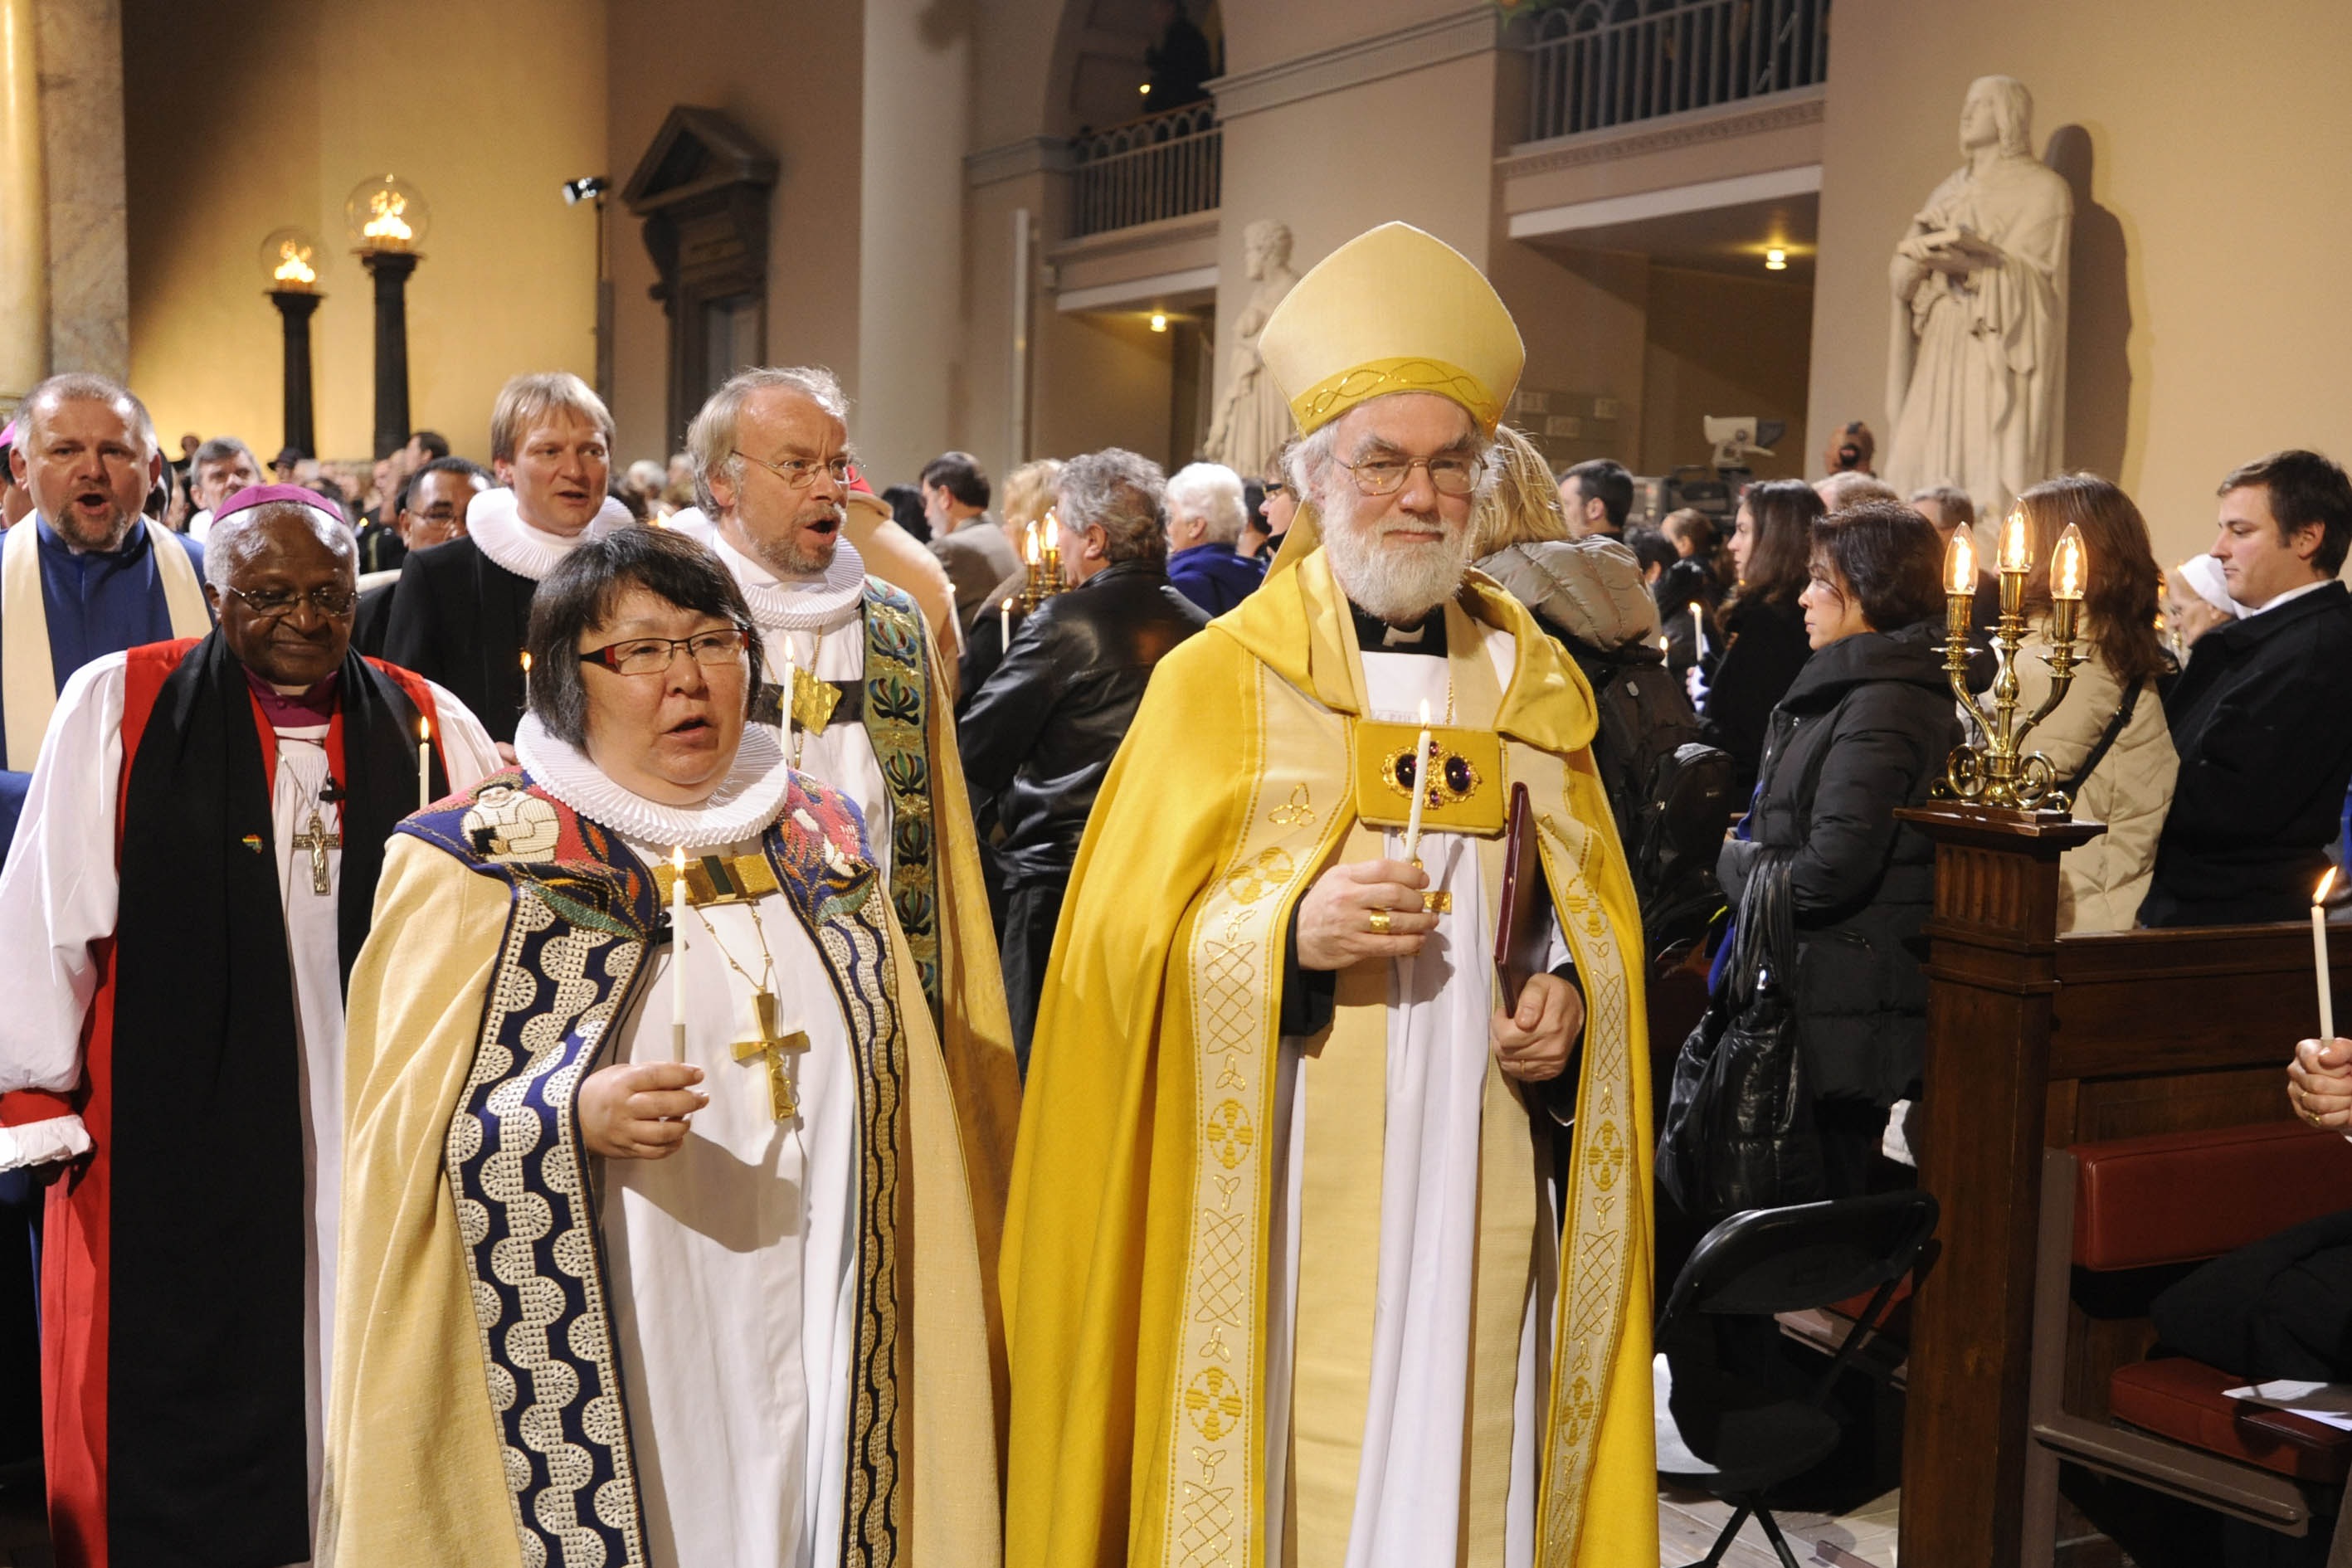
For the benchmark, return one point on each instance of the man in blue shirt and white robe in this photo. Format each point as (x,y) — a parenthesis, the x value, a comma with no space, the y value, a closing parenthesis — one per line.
(86,575)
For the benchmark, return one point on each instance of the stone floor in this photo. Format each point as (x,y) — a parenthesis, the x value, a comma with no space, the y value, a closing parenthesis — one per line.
(1688,1523)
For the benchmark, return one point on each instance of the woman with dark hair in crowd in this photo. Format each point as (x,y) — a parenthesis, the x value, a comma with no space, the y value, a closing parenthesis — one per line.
(2107,741)
(1762,629)
(1866,728)
(905,504)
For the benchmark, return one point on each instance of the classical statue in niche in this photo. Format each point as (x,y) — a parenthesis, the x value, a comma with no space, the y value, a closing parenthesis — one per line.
(1976,378)
(1253,419)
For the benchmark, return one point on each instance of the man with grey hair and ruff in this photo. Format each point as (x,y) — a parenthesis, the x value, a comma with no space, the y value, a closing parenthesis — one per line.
(859,690)
(1041,731)
(1205,513)
(195,875)
(89,576)
(1312,1241)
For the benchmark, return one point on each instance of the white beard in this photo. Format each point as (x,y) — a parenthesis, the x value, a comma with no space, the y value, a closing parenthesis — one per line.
(1399,583)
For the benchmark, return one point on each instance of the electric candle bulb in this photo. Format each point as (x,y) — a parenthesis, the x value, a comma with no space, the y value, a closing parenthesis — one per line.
(2067,565)
(2012,543)
(1960,564)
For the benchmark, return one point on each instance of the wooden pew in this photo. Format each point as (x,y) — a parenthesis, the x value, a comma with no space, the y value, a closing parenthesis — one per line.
(2035,1041)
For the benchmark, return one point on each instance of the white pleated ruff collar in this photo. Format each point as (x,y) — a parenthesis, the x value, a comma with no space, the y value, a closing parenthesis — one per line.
(496,526)
(751,798)
(802,606)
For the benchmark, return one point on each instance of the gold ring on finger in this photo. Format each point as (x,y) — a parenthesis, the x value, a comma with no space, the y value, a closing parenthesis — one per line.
(1380,923)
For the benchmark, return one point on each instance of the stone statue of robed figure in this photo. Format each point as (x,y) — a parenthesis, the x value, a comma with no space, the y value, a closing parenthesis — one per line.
(1976,376)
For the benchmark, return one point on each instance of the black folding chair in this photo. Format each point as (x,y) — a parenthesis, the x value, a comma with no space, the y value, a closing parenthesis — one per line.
(1725,1434)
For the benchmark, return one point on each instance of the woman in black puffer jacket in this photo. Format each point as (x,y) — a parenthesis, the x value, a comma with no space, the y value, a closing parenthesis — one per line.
(1864,729)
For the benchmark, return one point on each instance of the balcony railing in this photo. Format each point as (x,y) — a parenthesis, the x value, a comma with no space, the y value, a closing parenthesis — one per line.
(1601,63)
(1164,166)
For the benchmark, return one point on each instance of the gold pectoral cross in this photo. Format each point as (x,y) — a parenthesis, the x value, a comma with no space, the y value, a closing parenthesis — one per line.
(318,841)
(811,701)
(782,1102)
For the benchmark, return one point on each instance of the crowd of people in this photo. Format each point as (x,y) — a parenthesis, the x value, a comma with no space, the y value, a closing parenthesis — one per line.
(686,1011)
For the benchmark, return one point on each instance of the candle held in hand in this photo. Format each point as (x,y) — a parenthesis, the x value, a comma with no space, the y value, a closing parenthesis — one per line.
(1004,625)
(423,764)
(1419,788)
(2319,960)
(677,955)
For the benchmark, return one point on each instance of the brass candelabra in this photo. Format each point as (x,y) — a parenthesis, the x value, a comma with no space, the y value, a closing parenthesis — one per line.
(1043,555)
(1999,771)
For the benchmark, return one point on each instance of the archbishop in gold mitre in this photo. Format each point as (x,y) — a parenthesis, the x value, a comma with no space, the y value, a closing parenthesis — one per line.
(1314,1255)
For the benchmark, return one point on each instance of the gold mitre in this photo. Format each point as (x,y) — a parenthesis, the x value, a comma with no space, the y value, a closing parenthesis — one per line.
(1394,310)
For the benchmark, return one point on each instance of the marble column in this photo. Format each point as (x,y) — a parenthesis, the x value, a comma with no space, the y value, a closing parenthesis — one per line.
(88,244)
(24,208)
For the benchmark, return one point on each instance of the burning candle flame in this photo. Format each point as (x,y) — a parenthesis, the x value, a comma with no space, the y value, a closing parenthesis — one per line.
(1424,712)
(1960,564)
(387,227)
(1029,545)
(2013,542)
(2319,895)
(424,730)
(294,267)
(2066,565)
(1053,533)
(526,664)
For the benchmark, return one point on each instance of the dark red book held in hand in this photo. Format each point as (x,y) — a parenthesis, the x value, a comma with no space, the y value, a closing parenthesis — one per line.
(1523,934)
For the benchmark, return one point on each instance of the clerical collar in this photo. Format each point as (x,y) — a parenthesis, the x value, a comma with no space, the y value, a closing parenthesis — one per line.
(302,709)
(1374,635)
(496,526)
(743,806)
(808,604)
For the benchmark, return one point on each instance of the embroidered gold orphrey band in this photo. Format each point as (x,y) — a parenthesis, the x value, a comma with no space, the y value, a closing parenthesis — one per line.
(1214,1518)
(1595,1272)
(1215,1450)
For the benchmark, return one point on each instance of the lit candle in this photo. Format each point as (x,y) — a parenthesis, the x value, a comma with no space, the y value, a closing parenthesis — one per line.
(1698,631)
(1960,565)
(2319,959)
(677,955)
(1004,625)
(423,764)
(2013,542)
(1420,787)
(1029,545)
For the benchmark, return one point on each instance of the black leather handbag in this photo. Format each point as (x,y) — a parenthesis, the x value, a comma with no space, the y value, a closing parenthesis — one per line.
(1738,1130)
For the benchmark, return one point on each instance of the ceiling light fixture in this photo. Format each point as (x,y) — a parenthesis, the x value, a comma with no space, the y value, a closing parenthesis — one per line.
(1776,259)
(1158,322)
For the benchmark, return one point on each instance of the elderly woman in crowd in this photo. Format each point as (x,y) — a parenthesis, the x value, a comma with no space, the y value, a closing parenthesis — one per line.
(615,1139)
(2107,743)
(1866,728)
(1762,628)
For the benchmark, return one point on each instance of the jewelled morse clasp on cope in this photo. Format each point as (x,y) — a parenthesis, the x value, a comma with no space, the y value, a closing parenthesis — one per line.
(1452,778)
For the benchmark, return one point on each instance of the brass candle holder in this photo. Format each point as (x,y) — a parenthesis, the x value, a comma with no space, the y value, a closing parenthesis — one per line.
(1999,771)
(1043,556)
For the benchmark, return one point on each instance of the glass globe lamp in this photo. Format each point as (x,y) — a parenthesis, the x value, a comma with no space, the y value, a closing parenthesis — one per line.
(290,261)
(386,214)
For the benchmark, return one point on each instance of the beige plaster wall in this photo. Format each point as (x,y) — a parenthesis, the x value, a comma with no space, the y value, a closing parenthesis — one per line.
(1103,381)
(2206,145)
(1724,345)
(1582,317)
(242,117)
(793,76)
(912,278)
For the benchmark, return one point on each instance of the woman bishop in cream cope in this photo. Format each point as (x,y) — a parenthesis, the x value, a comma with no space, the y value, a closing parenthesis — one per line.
(1315,1255)
(659,1244)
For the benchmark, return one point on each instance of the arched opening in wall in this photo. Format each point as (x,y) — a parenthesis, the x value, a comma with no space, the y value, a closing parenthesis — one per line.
(1117,61)
(1675,308)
